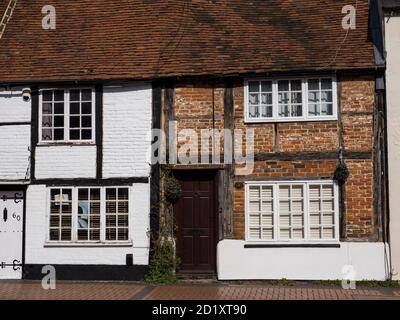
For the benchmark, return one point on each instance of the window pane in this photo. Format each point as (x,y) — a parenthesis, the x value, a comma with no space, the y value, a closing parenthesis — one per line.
(58,134)
(86,134)
(254,86)
(74,122)
(111,194)
(87,95)
(74,108)
(296,97)
(59,121)
(47,95)
(122,193)
(266,111)
(283,98)
(86,122)
(266,98)
(326,96)
(326,84)
(327,109)
(58,108)
(297,111)
(86,108)
(313,84)
(74,95)
(254,99)
(47,121)
(59,95)
(74,134)
(266,86)
(284,111)
(313,110)
(295,85)
(283,85)
(47,108)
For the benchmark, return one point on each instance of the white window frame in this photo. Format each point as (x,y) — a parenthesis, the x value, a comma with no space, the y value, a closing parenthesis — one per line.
(276,225)
(74,237)
(67,117)
(305,117)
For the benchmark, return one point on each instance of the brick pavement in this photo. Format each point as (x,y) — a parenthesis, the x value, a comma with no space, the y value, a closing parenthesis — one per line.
(32,290)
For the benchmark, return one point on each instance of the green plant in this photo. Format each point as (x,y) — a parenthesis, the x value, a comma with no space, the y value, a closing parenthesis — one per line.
(173,189)
(282,282)
(163,263)
(163,260)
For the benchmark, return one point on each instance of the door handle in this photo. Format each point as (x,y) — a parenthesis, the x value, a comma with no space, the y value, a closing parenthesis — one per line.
(5,215)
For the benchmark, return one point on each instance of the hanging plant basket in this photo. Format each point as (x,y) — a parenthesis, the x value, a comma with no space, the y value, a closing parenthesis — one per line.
(341,173)
(173,190)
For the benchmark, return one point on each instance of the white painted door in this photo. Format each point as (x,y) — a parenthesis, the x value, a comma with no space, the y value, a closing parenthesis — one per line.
(11,216)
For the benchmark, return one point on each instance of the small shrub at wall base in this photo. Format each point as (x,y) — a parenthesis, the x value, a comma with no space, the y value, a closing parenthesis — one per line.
(163,263)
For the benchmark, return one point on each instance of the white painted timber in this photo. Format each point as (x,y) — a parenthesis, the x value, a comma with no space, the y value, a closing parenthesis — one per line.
(234,262)
(14,152)
(12,107)
(127,130)
(11,221)
(392,39)
(65,162)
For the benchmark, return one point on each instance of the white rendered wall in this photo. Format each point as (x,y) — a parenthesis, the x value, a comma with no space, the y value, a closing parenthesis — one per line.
(126,130)
(38,251)
(14,152)
(12,107)
(393,120)
(65,162)
(234,262)
(14,138)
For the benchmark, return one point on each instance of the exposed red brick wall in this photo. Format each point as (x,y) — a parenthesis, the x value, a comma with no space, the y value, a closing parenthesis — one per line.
(193,110)
(359,200)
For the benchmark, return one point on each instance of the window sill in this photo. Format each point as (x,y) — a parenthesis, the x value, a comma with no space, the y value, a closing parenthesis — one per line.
(291,245)
(53,144)
(87,244)
(283,120)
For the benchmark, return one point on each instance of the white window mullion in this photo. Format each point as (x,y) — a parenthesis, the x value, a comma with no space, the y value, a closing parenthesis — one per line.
(93,115)
(306,212)
(275,99)
(66,115)
(276,214)
(336,210)
(102,214)
(40,117)
(304,99)
(74,214)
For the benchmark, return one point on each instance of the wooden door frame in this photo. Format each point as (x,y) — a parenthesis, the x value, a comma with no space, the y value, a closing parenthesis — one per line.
(215,231)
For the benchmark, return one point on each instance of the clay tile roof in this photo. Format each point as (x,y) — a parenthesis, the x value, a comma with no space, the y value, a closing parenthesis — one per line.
(108,39)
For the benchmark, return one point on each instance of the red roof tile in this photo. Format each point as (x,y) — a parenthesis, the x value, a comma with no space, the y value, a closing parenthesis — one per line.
(111,39)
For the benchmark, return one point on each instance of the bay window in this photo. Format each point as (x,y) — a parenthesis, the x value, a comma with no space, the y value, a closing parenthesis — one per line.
(303,99)
(291,211)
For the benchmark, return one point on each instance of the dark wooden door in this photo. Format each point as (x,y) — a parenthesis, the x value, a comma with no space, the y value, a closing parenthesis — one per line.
(195,217)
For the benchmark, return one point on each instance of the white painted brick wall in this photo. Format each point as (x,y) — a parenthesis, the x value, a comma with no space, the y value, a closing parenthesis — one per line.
(65,162)
(126,130)
(12,107)
(14,152)
(37,224)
